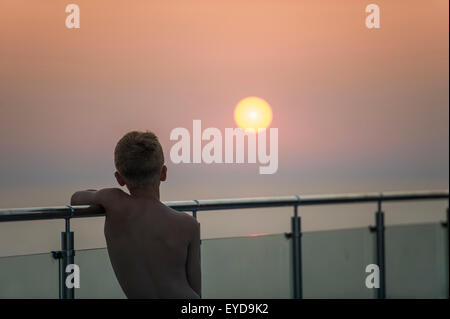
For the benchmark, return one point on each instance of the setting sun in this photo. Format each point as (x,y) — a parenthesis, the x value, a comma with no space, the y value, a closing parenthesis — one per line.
(253,113)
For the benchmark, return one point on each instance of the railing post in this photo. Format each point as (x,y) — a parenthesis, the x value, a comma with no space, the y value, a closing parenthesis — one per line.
(448,254)
(68,253)
(379,227)
(297,254)
(194,214)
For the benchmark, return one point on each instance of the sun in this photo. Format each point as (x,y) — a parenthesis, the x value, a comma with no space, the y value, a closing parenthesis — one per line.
(253,113)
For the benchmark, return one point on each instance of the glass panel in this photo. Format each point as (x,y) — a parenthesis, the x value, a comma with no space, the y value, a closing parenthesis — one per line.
(29,276)
(417,261)
(242,267)
(247,267)
(260,267)
(334,263)
(97,278)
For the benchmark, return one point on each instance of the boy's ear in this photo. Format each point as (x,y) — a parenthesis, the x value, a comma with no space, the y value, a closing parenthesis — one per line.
(119,179)
(163,176)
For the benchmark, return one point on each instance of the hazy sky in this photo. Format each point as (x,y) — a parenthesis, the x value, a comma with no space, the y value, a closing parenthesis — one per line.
(356,109)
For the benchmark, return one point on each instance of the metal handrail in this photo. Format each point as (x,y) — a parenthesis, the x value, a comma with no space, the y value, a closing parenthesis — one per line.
(62,212)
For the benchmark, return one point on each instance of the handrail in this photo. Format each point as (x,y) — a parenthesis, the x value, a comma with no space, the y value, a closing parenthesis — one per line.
(58,212)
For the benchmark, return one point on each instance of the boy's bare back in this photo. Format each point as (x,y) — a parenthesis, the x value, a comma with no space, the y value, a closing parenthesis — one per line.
(154,250)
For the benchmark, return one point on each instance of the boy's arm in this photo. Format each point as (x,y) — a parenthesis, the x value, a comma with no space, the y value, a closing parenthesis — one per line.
(193,270)
(104,197)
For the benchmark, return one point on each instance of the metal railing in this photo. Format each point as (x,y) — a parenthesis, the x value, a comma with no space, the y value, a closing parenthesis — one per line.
(67,252)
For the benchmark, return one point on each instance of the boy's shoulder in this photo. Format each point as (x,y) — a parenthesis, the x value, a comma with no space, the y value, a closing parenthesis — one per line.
(184,218)
(111,193)
(110,197)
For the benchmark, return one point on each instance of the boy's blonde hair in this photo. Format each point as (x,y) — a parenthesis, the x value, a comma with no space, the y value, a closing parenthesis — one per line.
(139,158)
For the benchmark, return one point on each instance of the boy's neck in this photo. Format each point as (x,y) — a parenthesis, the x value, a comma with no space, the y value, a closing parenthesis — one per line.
(149,192)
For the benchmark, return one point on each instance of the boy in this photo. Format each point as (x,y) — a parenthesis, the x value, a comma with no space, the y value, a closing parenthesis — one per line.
(154,250)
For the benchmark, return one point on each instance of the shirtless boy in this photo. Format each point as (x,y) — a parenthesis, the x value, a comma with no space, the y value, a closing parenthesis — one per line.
(154,250)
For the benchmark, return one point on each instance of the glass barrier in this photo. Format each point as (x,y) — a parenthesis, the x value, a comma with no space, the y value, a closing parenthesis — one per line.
(417,261)
(260,266)
(334,263)
(97,278)
(29,276)
(247,267)
(240,267)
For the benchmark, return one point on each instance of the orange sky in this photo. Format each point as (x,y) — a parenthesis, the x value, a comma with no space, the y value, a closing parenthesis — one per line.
(357,109)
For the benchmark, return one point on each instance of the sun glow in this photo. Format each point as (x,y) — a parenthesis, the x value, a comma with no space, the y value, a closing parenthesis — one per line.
(253,113)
